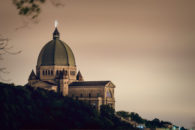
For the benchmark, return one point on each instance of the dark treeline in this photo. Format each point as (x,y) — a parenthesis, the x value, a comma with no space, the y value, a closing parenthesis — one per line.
(22,107)
(155,123)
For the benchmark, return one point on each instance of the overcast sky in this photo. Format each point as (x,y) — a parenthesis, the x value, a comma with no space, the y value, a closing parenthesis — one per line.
(146,48)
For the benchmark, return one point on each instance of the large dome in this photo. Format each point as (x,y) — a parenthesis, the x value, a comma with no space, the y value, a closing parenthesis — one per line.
(56,52)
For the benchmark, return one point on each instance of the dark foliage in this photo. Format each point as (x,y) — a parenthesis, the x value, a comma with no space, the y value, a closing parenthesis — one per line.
(108,115)
(28,7)
(135,117)
(32,8)
(23,107)
(123,114)
(155,123)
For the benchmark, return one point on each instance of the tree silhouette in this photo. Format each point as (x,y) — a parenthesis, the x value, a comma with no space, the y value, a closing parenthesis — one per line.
(23,107)
(32,8)
(123,114)
(136,117)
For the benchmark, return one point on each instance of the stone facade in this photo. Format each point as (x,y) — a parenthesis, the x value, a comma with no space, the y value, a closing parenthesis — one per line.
(49,73)
(94,92)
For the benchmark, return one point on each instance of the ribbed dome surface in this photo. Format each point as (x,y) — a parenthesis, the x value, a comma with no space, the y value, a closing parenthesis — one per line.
(56,52)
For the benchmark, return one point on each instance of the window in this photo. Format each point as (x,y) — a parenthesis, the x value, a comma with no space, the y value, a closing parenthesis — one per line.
(89,95)
(57,72)
(48,72)
(65,71)
(51,72)
(108,94)
(72,72)
(43,72)
(81,95)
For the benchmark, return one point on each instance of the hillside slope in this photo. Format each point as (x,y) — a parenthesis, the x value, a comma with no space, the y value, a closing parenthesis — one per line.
(23,107)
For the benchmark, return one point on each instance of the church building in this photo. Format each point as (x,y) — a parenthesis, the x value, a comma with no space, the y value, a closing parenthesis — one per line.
(56,70)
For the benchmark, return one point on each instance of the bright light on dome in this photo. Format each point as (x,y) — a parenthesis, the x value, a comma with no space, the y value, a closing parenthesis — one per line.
(56,23)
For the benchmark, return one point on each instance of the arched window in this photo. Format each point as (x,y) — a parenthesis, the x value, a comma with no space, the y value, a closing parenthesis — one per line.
(57,72)
(43,72)
(51,72)
(89,95)
(65,72)
(108,94)
(48,72)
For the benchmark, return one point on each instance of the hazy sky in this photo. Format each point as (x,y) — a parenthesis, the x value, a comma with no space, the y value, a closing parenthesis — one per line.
(146,48)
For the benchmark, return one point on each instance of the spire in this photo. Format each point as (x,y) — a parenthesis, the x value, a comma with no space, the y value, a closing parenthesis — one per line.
(79,76)
(56,34)
(32,76)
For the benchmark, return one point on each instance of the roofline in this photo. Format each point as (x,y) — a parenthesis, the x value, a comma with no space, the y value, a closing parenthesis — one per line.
(108,81)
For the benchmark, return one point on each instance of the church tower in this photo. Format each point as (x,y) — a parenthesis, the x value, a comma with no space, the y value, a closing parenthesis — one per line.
(63,83)
(32,78)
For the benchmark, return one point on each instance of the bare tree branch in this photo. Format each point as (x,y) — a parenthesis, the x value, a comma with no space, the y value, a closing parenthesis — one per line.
(57,3)
(5,48)
(31,10)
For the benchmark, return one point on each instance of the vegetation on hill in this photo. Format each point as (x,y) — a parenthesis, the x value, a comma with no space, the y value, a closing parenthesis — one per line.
(23,107)
(155,123)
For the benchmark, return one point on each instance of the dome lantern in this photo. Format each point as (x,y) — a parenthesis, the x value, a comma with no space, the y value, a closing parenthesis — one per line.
(56,34)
